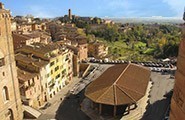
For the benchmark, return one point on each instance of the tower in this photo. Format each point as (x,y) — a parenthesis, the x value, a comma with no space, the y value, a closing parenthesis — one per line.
(69,14)
(178,99)
(10,101)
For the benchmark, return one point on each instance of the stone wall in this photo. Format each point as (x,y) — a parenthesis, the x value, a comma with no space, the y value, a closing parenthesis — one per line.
(11,107)
(178,99)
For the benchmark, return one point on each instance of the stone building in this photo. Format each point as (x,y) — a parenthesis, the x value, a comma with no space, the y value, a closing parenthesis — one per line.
(52,63)
(30,88)
(20,40)
(178,99)
(97,49)
(10,101)
(69,14)
(24,27)
(39,26)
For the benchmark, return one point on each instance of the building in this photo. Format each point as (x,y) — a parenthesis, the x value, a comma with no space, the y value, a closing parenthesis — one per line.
(24,27)
(13,26)
(69,14)
(20,40)
(117,91)
(178,99)
(30,88)
(39,26)
(10,101)
(97,49)
(53,64)
(108,22)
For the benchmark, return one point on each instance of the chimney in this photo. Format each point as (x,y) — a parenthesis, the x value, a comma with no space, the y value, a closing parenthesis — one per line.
(1,5)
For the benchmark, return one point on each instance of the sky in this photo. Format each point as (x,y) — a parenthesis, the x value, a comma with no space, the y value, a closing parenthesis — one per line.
(99,8)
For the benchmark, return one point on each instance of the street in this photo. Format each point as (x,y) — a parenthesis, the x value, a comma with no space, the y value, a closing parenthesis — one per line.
(158,103)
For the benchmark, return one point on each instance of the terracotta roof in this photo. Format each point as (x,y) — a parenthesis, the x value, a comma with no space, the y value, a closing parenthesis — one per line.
(40,50)
(30,60)
(24,76)
(20,36)
(119,85)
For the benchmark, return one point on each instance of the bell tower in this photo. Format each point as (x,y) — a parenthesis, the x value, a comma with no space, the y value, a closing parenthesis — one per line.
(10,101)
(69,14)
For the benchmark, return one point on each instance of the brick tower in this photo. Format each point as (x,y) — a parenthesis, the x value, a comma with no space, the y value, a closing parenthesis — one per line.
(178,99)
(69,14)
(10,102)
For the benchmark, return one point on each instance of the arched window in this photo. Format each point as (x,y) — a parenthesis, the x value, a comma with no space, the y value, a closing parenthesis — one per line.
(9,115)
(5,93)
(2,62)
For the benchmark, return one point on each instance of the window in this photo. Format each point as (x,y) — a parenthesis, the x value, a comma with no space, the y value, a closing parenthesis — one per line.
(47,75)
(57,76)
(35,89)
(51,72)
(3,73)
(33,81)
(52,63)
(2,63)
(29,83)
(37,77)
(56,68)
(5,93)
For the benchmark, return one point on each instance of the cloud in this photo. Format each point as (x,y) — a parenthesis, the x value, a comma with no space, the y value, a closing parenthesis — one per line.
(176,5)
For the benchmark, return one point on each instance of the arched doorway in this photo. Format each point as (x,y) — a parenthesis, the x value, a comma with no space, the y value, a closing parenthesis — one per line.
(9,115)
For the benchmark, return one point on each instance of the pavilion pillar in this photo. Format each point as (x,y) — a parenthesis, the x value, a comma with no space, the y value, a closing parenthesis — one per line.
(115,110)
(128,108)
(92,105)
(100,109)
(135,105)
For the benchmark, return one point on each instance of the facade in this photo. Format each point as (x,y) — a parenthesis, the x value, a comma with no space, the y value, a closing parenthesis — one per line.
(53,63)
(39,26)
(97,49)
(10,101)
(19,40)
(24,27)
(13,26)
(30,88)
(178,99)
